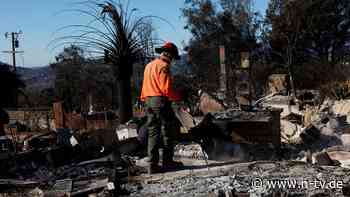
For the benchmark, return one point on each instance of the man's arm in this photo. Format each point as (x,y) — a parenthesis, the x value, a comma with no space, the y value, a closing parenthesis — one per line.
(166,85)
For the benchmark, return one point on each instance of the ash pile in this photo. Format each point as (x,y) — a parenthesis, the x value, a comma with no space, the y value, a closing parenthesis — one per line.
(316,133)
(228,149)
(264,178)
(66,163)
(225,150)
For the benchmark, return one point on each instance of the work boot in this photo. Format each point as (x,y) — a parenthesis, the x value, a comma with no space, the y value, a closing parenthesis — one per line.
(154,169)
(172,165)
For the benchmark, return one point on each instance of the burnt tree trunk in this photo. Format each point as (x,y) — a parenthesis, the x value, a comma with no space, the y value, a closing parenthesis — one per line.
(124,98)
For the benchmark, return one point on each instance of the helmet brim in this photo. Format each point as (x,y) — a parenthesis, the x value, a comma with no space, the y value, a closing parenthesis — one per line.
(160,50)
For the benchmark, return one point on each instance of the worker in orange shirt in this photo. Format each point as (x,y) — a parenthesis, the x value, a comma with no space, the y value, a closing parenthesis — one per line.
(158,95)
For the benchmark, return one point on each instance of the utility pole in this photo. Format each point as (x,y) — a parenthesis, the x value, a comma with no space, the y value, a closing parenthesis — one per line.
(15,44)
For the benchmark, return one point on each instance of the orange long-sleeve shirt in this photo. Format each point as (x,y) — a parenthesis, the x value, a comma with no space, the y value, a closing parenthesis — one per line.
(157,80)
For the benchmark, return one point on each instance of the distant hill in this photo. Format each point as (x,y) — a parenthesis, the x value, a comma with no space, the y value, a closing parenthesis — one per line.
(38,78)
(3,64)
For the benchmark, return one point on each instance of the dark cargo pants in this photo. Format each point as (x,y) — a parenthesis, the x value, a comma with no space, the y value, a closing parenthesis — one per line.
(160,120)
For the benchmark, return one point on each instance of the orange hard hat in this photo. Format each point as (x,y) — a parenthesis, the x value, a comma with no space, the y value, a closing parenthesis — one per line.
(170,48)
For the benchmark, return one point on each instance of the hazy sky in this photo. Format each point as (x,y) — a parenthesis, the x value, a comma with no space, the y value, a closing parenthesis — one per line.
(40,19)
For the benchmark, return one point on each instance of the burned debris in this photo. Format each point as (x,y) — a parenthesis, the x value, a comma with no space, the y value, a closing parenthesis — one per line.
(232,148)
(225,146)
(252,105)
(64,162)
(223,150)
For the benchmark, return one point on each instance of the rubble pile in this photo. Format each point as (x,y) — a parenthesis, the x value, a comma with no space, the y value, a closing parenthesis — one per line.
(307,129)
(248,179)
(222,134)
(314,149)
(190,150)
(65,163)
(224,152)
(304,133)
(96,176)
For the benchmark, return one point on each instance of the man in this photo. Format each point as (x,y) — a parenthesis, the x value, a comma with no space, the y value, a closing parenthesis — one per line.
(158,95)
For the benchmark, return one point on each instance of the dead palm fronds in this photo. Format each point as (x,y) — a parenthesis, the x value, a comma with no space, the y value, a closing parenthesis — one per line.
(114,32)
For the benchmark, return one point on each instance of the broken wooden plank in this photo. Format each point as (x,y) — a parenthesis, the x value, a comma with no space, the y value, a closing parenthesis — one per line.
(81,187)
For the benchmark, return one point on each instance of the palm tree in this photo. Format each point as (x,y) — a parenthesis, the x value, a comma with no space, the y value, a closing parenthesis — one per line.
(115,34)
